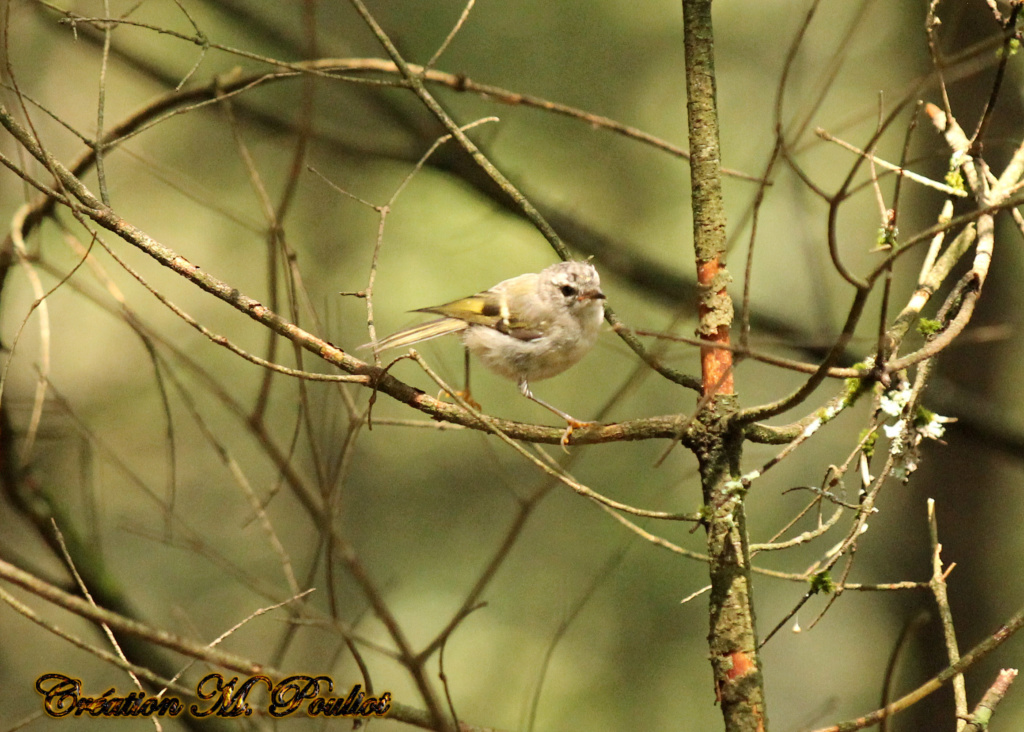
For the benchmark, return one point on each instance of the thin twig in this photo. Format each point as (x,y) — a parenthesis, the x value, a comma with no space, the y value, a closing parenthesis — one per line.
(909,174)
(982,713)
(938,588)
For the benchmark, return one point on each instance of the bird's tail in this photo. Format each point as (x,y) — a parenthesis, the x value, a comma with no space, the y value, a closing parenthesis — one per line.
(418,334)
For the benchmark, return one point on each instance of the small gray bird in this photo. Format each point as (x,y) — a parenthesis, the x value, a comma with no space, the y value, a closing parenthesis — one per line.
(527,328)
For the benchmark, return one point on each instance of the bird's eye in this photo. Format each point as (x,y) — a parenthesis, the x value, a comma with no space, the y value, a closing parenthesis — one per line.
(568,290)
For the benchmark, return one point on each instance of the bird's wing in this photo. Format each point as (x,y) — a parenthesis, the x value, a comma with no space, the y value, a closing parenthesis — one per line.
(488,309)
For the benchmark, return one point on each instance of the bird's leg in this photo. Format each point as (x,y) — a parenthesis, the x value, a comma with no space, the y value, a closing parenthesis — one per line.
(462,393)
(465,393)
(571,422)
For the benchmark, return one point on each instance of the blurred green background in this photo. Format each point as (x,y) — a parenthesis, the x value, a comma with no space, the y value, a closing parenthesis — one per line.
(427,509)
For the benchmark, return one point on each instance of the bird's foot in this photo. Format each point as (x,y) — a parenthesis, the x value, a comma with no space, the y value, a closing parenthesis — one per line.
(572,424)
(463,395)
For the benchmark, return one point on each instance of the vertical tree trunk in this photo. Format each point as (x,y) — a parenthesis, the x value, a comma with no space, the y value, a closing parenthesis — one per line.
(732,638)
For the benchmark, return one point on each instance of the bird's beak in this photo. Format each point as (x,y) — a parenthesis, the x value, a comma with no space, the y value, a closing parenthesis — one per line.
(592,295)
